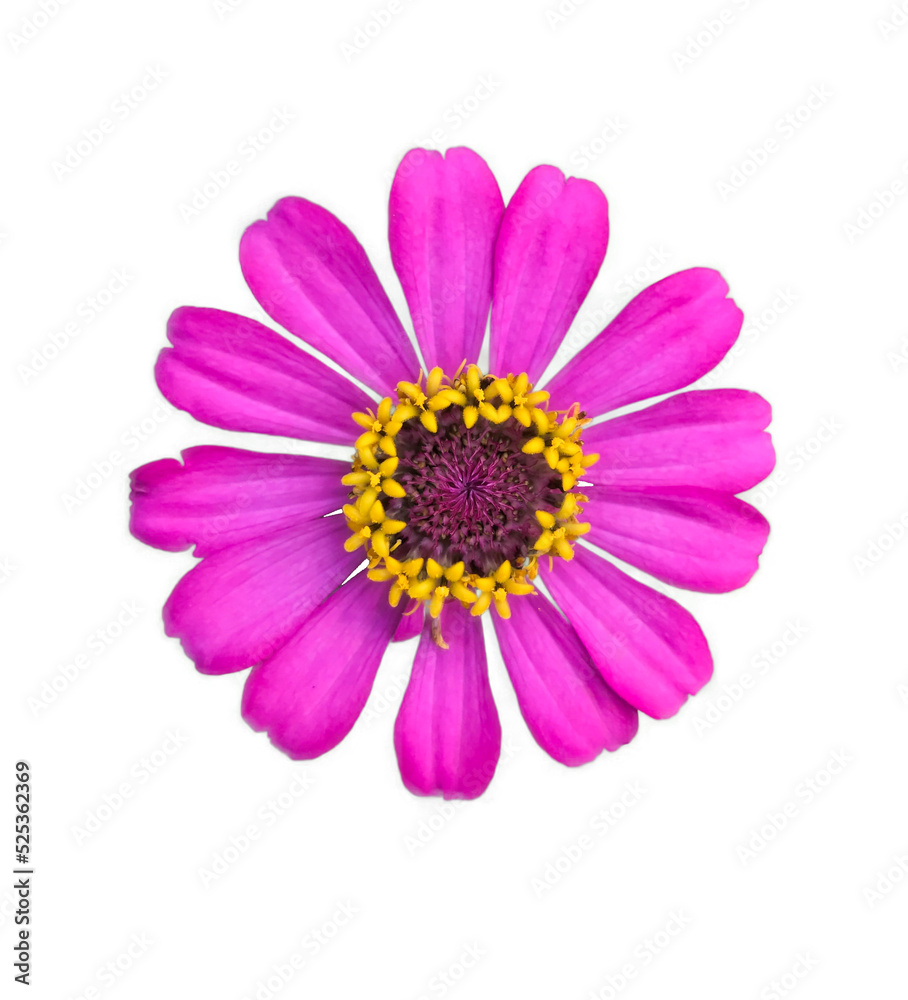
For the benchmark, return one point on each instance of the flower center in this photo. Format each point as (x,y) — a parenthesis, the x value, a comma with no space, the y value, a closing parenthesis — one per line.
(460,486)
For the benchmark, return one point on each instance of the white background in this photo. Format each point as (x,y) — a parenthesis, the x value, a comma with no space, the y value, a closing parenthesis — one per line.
(825,343)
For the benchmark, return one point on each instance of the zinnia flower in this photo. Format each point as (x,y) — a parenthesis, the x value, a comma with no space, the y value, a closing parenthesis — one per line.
(469,489)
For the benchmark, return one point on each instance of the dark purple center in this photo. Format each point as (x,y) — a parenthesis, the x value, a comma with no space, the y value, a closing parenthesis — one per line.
(472,494)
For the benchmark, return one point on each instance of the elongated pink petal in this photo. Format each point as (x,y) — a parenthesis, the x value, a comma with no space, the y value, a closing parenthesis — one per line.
(447,734)
(311,275)
(670,335)
(218,497)
(570,710)
(242,604)
(698,539)
(232,372)
(550,247)
(646,646)
(712,438)
(308,696)
(444,216)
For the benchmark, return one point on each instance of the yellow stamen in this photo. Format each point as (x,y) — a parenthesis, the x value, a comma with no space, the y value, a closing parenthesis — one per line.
(567,507)
(482,604)
(462,593)
(522,415)
(413,567)
(352,513)
(541,420)
(503,572)
(420,589)
(365,501)
(504,390)
(544,541)
(393,489)
(380,542)
(546,519)
(433,382)
(366,440)
(438,600)
(500,596)
(401,415)
(455,572)
(364,420)
(534,446)
(453,396)
(367,457)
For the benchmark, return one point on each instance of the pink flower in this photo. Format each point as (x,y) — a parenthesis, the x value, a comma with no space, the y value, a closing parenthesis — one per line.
(465,491)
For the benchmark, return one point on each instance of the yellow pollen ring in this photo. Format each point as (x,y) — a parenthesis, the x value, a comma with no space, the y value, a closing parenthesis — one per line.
(553,435)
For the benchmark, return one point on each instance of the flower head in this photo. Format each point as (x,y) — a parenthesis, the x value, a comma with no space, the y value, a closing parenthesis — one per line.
(468,490)
(460,488)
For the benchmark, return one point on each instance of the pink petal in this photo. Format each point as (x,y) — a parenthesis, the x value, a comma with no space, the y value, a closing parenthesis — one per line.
(447,735)
(670,335)
(646,646)
(410,624)
(310,274)
(221,496)
(232,372)
(444,217)
(712,438)
(570,710)
(550,248)
(308,696)
(242,604)
(698,539)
